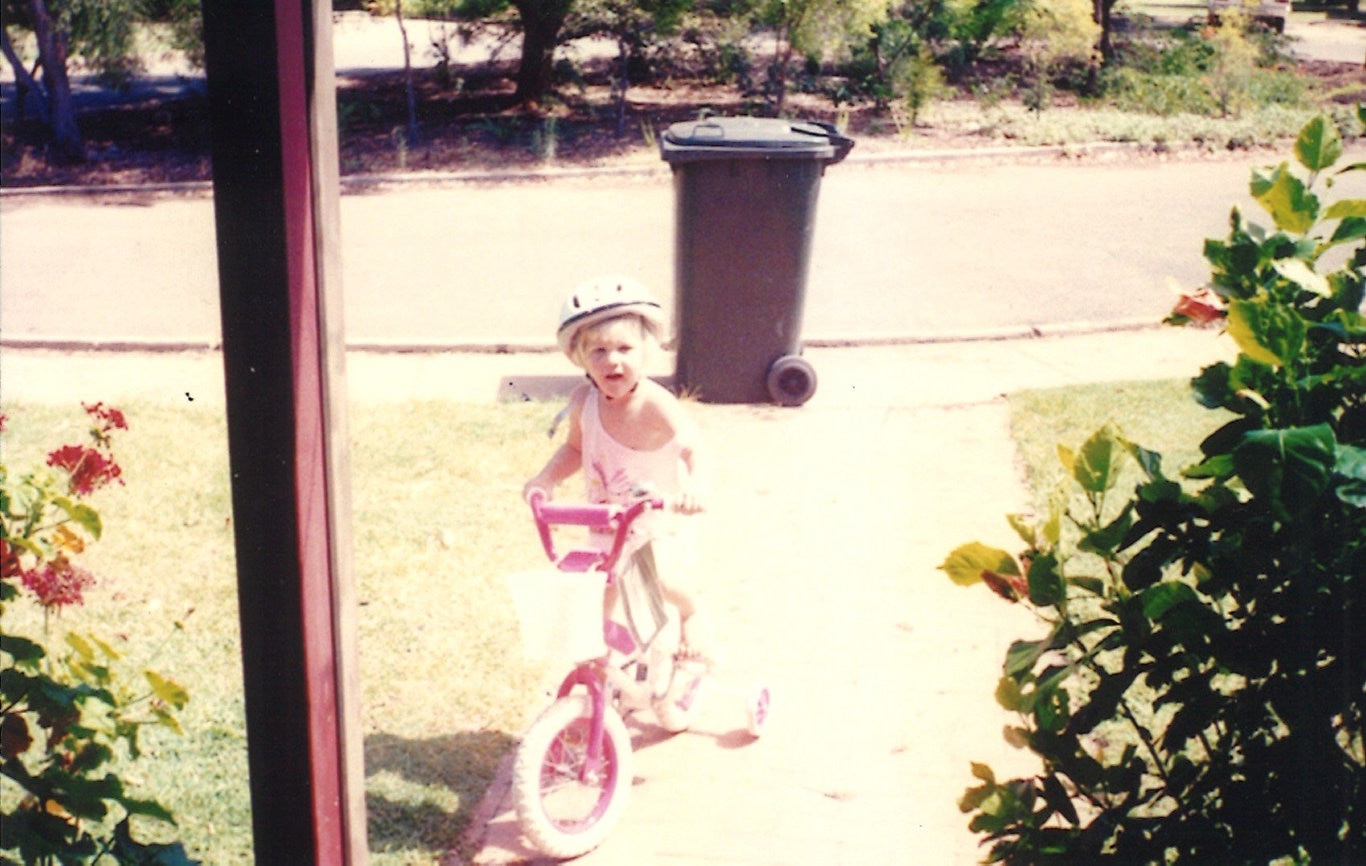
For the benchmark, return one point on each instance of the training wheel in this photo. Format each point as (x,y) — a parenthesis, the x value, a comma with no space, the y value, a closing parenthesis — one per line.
(758,711)
(791,380)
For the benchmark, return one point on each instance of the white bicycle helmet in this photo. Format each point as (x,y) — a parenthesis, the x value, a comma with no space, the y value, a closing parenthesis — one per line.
(606,298)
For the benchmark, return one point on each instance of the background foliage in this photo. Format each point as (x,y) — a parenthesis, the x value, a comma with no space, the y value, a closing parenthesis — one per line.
(1198,696)
(886,62)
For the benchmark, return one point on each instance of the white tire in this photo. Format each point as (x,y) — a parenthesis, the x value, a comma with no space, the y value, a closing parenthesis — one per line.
(562,814)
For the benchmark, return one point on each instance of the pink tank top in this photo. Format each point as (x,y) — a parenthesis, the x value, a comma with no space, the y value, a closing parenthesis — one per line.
(612,470)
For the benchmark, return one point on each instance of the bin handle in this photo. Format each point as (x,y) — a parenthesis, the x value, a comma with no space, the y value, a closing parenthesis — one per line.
(842,143)
(720,131)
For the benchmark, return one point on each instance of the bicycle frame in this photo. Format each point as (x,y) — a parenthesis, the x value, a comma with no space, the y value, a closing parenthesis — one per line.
(598,675)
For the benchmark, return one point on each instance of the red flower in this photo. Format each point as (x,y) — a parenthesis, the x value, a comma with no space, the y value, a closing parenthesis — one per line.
(3,419)
(88,468)
(59,583)
(9,560)
(109,419)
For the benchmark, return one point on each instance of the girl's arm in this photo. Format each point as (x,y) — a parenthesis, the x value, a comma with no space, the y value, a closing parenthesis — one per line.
(694,487)
(568,458)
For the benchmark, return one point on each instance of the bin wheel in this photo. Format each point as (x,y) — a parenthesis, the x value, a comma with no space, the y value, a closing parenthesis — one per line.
(791,380)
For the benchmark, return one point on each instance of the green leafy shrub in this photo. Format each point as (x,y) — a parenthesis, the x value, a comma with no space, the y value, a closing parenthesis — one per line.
(69,719)
(1226,72)
(1165,95)
(1198,694)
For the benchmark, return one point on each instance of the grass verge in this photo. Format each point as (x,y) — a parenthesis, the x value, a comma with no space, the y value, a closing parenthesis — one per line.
(1159,415)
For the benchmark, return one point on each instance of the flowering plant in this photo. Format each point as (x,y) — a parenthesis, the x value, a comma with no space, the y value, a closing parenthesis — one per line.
(64,718)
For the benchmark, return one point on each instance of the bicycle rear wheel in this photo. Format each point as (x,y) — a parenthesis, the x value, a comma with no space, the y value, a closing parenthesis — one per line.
(564,809)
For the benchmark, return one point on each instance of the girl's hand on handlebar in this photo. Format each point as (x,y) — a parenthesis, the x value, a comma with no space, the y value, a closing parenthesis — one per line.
(687,502)
(536,486)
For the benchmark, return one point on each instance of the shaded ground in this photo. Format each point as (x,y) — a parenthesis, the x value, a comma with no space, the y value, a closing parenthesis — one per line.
(468,122)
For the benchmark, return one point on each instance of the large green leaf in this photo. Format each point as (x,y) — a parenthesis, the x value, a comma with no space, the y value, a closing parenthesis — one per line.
(1023,527)
(167,690)
(1211,388)
(82,646)
(1299,273)
(84,516)
(129,850)
(1347,207)
(1059,800)
(22,650)
(965,564)
(1046,586)
(1285,197)
(1093,467)
(1010,696)
(1266,332)
(148,808)
(1052,705)
(1023,654)
(1288,469)
(1351,228)
(1102,704)
(1318,145)
(1162,597)
(1106,540)
(1351,467)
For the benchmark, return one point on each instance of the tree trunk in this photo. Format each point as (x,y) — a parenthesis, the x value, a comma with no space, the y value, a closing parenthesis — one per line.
(1103,18)
(541,23)
(24,85)
(67,145)
(782,59)
(410,89)
(623,82)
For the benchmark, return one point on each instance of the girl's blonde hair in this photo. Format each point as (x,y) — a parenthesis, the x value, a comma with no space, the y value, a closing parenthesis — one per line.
(649,331)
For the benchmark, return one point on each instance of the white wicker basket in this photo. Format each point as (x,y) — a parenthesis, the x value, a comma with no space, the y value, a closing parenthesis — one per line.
(559,613)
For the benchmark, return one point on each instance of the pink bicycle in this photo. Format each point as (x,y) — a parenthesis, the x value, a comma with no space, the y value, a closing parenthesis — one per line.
(573,773)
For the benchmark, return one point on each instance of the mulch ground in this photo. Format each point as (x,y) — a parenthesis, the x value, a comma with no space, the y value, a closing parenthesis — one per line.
(467,123)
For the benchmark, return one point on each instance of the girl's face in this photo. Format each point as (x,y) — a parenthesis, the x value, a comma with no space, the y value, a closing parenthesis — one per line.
(613,353)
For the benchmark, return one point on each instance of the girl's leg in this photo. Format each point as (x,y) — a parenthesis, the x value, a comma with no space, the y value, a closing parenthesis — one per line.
(610,596)
(674,558)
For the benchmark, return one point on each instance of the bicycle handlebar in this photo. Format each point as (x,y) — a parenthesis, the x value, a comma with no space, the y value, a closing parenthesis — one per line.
(616,519)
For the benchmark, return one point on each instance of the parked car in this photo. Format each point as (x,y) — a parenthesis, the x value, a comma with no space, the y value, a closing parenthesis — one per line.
(1272,13)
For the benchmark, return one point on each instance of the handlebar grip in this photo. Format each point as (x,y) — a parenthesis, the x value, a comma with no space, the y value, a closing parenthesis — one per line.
(576,514)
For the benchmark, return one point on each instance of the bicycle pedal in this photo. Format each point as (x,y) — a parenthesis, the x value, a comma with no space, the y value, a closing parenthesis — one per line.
(642,672)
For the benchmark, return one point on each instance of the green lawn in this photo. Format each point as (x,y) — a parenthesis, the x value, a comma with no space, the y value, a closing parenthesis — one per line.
(438,522)
(1159,415)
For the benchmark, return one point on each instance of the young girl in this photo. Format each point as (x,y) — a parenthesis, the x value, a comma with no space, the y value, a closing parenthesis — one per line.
(627,432)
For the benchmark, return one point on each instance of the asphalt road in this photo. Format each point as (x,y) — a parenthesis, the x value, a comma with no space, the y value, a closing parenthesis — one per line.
(901,251)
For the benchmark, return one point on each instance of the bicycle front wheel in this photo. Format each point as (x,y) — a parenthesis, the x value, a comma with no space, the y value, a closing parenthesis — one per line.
(566,809)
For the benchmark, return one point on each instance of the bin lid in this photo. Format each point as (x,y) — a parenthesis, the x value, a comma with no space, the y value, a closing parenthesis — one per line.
(753,138)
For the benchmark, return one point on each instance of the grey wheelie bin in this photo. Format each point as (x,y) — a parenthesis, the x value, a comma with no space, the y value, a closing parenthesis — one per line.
(745,194)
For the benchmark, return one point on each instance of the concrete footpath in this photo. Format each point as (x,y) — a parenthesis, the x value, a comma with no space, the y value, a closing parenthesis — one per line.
(819,568)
